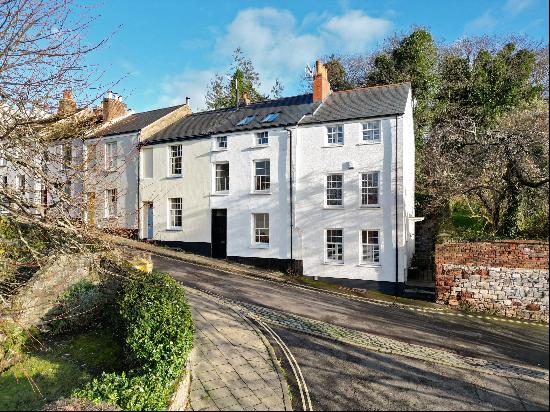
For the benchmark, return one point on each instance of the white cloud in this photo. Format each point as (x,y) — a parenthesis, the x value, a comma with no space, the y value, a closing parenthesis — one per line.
(484,22)
(517,6)
(355,31)
(279,47)
(190,83)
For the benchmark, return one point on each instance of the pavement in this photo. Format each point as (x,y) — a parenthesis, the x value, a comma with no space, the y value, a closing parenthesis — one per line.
(234,367)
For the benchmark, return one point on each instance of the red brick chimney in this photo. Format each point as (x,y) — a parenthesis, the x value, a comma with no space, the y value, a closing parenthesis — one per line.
(321,86)
(113,107)
(67,105)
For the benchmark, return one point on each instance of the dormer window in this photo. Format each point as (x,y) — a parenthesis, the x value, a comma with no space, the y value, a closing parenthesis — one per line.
(271,117)
(246,120)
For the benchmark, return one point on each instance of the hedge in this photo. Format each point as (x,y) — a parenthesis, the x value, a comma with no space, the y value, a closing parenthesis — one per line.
(157,331)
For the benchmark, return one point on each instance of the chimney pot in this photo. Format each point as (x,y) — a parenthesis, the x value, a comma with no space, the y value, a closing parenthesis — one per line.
(67,105)
(246,98)
(321,85)
(187,101)
(113,107)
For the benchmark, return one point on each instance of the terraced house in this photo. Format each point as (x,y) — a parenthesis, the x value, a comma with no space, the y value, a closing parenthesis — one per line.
(321,183)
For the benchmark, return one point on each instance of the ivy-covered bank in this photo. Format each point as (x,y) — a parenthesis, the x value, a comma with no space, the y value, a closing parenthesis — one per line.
(138,332)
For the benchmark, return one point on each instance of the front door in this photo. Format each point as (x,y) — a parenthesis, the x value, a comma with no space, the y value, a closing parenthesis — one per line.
(219,233)
(150,221)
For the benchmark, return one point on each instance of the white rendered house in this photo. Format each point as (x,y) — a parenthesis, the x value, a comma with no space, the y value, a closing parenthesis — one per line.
(322,183)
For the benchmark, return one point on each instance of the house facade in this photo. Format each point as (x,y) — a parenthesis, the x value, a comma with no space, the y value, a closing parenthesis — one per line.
(321,183)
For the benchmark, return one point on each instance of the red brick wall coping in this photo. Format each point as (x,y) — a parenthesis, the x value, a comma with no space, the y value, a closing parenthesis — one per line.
(525,254)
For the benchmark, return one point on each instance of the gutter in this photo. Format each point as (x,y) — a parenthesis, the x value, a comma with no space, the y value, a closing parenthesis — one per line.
(291,201)
(139,185)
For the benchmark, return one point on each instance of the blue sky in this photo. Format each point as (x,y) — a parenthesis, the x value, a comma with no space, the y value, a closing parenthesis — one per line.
(166,50)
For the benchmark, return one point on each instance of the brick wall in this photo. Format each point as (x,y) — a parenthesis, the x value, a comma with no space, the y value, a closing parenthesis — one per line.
(509,278)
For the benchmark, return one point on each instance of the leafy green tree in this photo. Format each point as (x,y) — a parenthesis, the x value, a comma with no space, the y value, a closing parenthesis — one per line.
(414,59)
(222,92)
(488,86)
(337,75)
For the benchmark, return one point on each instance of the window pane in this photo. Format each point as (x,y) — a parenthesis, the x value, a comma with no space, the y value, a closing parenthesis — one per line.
(222,142)
(176,159)
(222,177)
(369,188)
(261,228)
(371,131)
(262,175)
(335,134)
(334,190)
(176,206)
(334,245)
(370,246)
(262,138)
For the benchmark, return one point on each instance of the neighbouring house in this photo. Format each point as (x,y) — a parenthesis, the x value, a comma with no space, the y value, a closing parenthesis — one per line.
(321,183)
(111,158)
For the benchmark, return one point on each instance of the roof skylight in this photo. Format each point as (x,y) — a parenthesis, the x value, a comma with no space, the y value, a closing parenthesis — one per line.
(270,117)
(246,120)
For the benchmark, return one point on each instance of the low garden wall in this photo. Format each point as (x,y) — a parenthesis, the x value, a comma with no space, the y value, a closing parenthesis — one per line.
(508,278)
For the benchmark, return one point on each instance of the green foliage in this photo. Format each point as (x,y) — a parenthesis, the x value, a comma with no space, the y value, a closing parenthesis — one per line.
(158,330)
(13,339)
(53,372)
(156,322)
(80,306)
(489,85)
(221,91)
(337,76)
(414,60)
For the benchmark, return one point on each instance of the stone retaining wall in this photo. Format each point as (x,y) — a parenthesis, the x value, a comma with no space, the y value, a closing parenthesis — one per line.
(509,278)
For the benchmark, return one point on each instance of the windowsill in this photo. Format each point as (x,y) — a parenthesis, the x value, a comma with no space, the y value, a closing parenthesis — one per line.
(370,207)
(333,263)
(367,143)
(260,192)
(219,150)
(259,146)
(369,265)
(174,229)
(332,145)
(220,193)
(174,176)
(259,246)
(333,207)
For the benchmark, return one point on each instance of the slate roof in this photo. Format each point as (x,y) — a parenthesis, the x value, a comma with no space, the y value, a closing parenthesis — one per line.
(290,109)
(361,103)
(338,106)
(137,121)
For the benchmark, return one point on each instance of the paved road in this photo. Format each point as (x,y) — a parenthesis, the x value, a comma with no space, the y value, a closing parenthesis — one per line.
(345,377)
(525,345)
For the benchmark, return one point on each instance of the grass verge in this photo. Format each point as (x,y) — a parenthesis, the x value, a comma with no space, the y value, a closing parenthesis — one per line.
(54,370)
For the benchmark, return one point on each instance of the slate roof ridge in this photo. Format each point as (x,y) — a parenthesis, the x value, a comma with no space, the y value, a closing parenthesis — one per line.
(377,86)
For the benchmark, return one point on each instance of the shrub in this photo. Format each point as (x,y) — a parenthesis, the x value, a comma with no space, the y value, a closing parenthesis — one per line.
(81,305)
(155,321)
(12,340)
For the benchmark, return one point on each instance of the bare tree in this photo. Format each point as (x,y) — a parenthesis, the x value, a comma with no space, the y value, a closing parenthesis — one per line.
(494,170)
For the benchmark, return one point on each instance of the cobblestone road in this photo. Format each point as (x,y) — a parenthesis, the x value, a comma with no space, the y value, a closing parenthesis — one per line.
(233,368)
(383,344)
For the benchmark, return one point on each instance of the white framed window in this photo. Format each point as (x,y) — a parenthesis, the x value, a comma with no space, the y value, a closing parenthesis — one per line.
(221,142)
(262,175)
(111,203)
(176,159)
(175,208)
(111,156)
(20,183)
(334,191)
(222,177)
(261,228)
(3,160)
(335,135)
(262,138)
(372,132)
(370,247)
(334,246)
(370,189)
